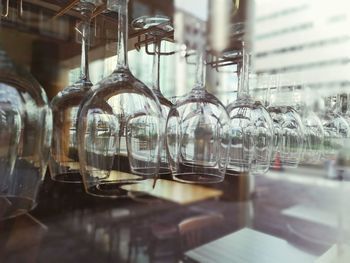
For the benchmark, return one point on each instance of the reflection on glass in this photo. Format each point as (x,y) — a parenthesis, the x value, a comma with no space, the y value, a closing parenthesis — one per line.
(120,126)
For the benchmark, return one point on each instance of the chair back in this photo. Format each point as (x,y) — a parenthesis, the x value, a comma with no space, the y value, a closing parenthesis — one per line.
(192,229)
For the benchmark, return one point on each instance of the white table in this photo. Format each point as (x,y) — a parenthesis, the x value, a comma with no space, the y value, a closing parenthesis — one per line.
(248,246)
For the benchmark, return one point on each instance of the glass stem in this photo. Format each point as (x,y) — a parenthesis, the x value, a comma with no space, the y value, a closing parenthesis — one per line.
(84,66)
(156,65)
(243,74)
(122,35)
(200,71)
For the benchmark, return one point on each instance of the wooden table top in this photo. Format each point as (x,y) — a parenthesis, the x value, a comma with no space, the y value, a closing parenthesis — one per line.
(176,192)
(169,190)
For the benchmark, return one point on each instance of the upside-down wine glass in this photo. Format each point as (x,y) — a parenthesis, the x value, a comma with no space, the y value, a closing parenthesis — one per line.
(313,130)
(289,129)
(343,156)
(120,126)
(157,26)
(198,133)
(252,128)
(336,129)
(272,82)
(64,161)
(25,137)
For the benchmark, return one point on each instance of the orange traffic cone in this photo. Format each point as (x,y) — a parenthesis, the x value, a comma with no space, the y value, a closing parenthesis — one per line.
(277,164)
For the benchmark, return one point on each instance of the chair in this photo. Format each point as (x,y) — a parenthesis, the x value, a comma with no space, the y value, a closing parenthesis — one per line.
(164,241)
(170,240)
(192,229)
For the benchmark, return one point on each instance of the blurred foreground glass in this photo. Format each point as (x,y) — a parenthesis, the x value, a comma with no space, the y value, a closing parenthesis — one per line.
(120,126)
(198,134)
(252,128)
(64,161)
(25,137)
(156,27)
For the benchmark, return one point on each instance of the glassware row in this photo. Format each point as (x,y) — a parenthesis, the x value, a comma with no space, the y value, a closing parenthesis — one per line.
(119,133)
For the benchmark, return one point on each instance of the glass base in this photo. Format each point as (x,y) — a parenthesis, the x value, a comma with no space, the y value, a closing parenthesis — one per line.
(290,164)
(164,171)
(12,206)
(145,198)
(198,178)
(260,170)
(117,189)
(107,190)
(231,172)
(144,173)
(72,177)
(238,167)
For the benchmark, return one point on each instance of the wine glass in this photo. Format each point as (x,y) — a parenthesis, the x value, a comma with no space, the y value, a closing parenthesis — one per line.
(120,126)
(198,132)
(342,106)
(313,129)
(314,136)
(342,163)
(252,127)
(25,137)
(290,129)
(64,161)
(158,26)
(336,129)
(268,83)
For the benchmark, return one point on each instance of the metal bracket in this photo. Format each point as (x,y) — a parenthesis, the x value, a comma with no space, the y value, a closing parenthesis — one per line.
(148,40)
(153,35)
(65,8)
(218,62)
